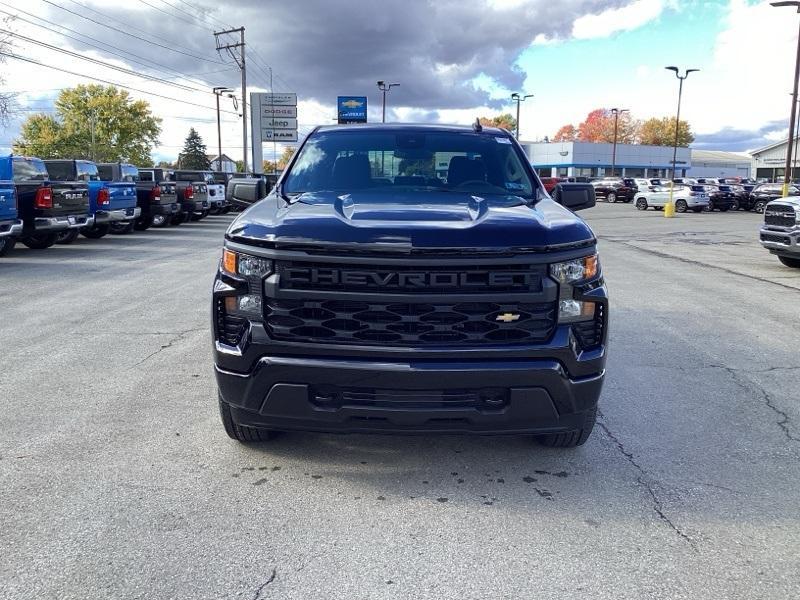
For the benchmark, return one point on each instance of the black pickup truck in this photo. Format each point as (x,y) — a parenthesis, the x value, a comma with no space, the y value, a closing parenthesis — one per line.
(184,193)
(46,208)
(192,188)
(373,290)
(157,201)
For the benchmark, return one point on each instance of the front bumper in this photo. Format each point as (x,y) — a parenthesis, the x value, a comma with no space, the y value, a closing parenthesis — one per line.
(294,393)
(10,228)
(62,223)
(785,242)
(114,216)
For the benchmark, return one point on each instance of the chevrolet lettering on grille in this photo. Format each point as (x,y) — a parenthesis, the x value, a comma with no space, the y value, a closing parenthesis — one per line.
(297,277)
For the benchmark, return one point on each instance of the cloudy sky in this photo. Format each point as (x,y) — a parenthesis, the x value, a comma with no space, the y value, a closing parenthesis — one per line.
(454,59)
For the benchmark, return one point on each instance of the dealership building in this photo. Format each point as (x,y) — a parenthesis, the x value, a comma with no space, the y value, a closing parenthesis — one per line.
(575,159)
(770,161)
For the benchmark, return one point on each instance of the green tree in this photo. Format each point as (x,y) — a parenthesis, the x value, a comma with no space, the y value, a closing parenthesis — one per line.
(93,121)
(194,155)
(504,121)
(661,132)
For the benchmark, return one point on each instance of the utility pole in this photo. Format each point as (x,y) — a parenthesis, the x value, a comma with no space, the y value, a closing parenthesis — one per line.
(240,61)
(218,91)
(668,212)
(92,120)
(517,98)
(793,114)
(384,87)
(616,112)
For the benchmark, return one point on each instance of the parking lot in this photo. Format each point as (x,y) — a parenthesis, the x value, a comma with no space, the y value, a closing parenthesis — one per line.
(118,481)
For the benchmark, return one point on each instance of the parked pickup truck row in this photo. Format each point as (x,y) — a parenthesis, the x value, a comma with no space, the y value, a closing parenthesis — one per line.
(46,202)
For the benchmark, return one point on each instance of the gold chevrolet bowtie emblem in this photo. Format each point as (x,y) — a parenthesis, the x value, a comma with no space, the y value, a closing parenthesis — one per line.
(507,317)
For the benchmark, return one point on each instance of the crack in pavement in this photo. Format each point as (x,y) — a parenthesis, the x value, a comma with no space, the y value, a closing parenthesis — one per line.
(265,584)
(751,386)
(178,337)
(657,505)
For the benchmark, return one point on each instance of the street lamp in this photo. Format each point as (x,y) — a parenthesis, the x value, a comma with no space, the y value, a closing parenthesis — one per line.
(793,113)
(218,91)
(616,112)
(668,212)
(517,98)
(385,87)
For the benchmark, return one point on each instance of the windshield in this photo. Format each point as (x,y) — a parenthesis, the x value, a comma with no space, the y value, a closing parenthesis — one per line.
(408,161)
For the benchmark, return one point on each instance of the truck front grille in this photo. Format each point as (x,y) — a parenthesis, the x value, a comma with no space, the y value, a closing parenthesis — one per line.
(407,323)
(779,215)
(775,238)
(338,397)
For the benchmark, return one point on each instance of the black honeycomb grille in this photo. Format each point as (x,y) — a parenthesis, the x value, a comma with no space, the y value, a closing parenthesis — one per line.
(415,324)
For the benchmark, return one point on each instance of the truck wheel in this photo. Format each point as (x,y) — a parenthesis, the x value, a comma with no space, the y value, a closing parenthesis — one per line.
(710,207)
(571,439)
(95,232)
(40,241)
(612,197)
(759,206)
(66,237)
(143,223)
(735,205)
(239,432)
(789,262)
(121,228)
(681,206)
(641,204)
(160,221)
(7,245)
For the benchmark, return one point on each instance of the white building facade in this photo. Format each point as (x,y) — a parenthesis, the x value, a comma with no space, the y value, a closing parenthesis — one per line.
(714,163)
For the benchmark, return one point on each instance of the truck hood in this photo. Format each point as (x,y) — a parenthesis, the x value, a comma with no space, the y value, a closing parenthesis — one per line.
(408,222)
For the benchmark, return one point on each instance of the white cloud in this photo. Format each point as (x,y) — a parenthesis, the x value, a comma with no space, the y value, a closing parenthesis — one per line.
(611,21)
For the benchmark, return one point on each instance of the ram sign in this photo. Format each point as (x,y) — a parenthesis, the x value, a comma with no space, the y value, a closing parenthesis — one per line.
(352,109)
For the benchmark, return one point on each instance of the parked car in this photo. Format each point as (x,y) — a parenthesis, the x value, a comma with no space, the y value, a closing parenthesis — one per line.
(613,189)
(215,191)
(10,224)
(685,197)
(157,202)
(153,185)
(740,197)
(112,204)
(188,200)
(767,192)
(639,184)
(46,207)
(223,178)
(192,188)
(719,199)
(780,233)
(385,313)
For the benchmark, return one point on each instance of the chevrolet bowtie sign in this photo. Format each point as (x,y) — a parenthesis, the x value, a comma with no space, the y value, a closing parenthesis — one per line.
(352,109)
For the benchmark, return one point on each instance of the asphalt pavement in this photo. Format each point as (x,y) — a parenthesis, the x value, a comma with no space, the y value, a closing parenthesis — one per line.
(117,480)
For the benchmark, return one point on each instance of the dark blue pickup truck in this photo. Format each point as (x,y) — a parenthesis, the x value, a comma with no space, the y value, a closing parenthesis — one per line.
(112,204)
(10,225)
(46,207)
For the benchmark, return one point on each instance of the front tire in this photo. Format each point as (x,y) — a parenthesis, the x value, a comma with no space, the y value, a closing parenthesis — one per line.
(238,432)
(95,232)
(7,244)
(759,206)
(40,241)
(612,197)
(67,237)
(681,206)
(641,204)
(794,263)
(571,439)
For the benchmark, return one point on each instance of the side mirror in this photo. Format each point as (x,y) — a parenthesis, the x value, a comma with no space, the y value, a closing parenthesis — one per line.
(574,196)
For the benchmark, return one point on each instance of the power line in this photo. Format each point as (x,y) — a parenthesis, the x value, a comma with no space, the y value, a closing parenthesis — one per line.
(171,15)
(172,49)
(105,64)
(127,87)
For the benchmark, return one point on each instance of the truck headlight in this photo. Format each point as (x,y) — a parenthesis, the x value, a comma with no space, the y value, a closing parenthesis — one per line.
(245,265)
(575,310)
(573,271)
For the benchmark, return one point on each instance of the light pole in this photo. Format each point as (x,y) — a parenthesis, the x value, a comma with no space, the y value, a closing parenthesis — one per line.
(668,211)
(385,87)
(793,113)
(517,98)
(616,112)
(218,91)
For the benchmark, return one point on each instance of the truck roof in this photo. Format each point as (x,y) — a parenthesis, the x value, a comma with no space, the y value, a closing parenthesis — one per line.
(413,127)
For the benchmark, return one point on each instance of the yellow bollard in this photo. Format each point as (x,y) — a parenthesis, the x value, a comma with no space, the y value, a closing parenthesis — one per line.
(669,207)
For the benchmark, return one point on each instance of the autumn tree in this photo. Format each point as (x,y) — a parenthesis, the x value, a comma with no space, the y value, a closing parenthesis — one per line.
(661,132)
(286,156)
(567,133)
(504,121)
(92,121)
(194,154)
